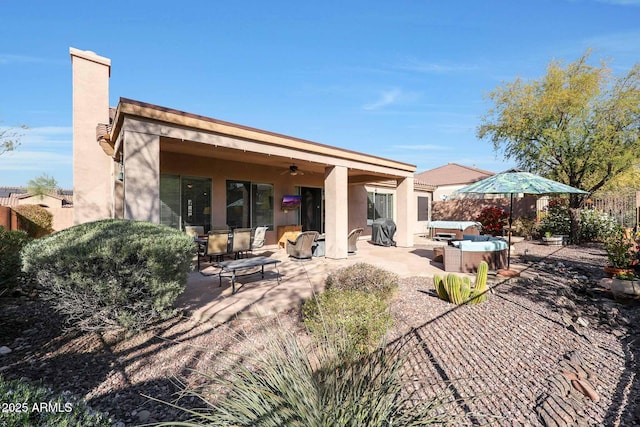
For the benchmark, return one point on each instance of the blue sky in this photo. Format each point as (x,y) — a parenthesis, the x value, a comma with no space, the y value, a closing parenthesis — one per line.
(402,79)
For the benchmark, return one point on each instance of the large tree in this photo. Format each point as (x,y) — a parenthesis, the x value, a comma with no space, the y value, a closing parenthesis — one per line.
(577,124)
(42,185)
(9,139)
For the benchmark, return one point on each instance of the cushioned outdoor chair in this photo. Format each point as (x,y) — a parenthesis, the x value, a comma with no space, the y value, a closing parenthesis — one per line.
(217,246)
(258,238)
(302,247)
(241,241)
(352,240)
(194,230)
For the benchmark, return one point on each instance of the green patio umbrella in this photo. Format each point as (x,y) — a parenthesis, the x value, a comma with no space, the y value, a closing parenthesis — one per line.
(515,181)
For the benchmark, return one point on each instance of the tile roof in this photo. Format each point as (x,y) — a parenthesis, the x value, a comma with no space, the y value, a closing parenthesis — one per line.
(452,174)
(9,196)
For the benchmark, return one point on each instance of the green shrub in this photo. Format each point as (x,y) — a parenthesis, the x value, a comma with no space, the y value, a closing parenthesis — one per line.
(25,407)
(11,243)
(366,278)
(596,225)
(290,385)
(111,273)
(556,220)
(35,220)
(355,321)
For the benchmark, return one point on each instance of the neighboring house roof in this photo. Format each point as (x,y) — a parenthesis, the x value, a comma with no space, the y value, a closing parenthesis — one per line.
(452,174)
(10,196)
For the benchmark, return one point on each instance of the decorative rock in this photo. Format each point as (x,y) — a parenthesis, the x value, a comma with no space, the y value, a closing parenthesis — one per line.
(582,322)
(143,416)
(4,350)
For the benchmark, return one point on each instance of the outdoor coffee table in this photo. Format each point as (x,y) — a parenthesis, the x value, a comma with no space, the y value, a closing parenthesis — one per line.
(236,265)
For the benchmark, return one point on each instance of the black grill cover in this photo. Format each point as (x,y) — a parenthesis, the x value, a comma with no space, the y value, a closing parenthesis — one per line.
(382,231)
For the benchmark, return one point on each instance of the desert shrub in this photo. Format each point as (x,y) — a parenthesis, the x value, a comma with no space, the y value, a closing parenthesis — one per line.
(35,220)
(366,278)
(525,227)
(556,219)
(290,385)
(24,408)
(111,273)
(11,243)
(596,225)
(492,219)
(355,321)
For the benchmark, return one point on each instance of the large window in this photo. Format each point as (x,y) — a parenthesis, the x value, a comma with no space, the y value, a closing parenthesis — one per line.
(423,209)
(185,201)
(249,204)
(379,205)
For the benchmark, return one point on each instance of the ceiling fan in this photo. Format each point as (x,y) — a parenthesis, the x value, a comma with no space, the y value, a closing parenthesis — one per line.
(292,170)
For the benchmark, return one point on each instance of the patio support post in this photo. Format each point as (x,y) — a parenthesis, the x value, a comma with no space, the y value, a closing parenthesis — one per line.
(406,212)
(142,176)
(336,212)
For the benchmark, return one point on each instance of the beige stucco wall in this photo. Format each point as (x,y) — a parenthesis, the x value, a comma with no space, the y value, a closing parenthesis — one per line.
(62,217)
(44,200)
(92,177)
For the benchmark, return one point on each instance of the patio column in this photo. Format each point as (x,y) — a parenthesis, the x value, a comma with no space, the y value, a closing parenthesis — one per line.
(336,212)
(141,176)
(406,212)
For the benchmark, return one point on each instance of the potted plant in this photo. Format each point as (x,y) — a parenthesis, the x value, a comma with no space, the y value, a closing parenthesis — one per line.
(550,240)
(625,286)
(618,248)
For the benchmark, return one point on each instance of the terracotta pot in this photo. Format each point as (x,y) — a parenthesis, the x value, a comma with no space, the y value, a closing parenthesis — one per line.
(612,271)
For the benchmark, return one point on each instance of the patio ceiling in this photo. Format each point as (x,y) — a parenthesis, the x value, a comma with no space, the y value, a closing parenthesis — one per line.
(281,163)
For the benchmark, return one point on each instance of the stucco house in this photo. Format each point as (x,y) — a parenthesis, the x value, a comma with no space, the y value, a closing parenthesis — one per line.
(450,177)
(59,204)
(146,162)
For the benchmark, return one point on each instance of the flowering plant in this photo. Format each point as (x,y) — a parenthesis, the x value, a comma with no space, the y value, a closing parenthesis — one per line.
(492,219)
(618,249)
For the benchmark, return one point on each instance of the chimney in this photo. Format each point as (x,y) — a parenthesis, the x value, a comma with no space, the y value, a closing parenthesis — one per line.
(92,167)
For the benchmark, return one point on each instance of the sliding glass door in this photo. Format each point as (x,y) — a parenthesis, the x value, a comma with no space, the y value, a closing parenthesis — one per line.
(185,201)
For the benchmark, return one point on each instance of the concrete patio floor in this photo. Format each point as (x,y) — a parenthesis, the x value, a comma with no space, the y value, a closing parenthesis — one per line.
(205,300)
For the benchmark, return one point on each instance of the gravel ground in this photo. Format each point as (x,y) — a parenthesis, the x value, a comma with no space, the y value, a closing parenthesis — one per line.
(489,363)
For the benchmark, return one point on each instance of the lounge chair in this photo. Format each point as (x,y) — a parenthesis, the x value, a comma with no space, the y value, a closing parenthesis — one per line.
(352,240)
(301,248)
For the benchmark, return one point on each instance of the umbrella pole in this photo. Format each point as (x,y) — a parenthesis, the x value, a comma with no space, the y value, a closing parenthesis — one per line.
(509,231)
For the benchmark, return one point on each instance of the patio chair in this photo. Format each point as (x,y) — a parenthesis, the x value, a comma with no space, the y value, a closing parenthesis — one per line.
(258,237)
(352,240)
(194,230)
(217,246)
(301,248)
(241,241)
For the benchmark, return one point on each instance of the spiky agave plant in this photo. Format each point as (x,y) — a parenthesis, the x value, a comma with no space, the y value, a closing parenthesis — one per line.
(293,386)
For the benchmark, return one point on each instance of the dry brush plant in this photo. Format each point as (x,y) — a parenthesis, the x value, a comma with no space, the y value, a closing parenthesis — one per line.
(293,385)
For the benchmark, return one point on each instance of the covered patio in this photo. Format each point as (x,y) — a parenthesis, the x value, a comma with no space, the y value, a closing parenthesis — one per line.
(256,297)
(159,149)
